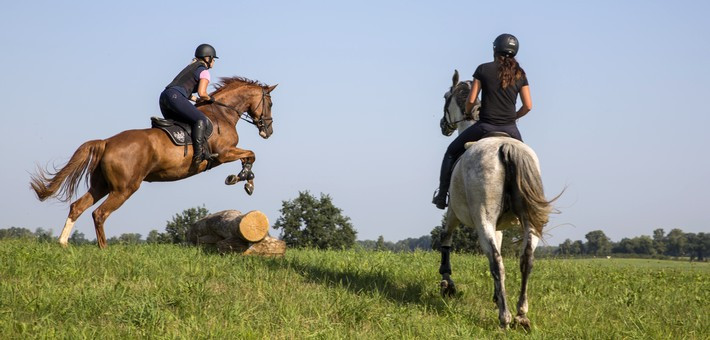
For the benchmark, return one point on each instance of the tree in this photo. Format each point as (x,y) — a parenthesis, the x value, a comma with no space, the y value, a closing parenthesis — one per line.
(14,232)
(577,248)
(677,243)
(597,243)
(44,235)
(659,241)
(423,243)
(625,246)
(565,248)
(465,239)
(698,246)
(380,246)
(129,238)
(157,237)
(310,222)
(176,229)
(77,238)
(644,245)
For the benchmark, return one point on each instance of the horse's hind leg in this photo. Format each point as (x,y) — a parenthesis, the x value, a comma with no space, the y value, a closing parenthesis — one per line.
(114,201)
(448,288)
(487,239)
(97,191)
(526,264)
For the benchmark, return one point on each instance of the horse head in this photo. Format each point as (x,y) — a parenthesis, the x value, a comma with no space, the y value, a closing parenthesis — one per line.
(454,107)
(250,97)
(260,111)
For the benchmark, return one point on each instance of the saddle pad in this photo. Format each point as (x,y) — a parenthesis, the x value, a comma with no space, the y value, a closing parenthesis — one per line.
(180,133)
(490,134)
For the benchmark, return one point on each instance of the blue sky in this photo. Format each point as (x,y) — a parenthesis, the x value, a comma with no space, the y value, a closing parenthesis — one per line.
(619,118)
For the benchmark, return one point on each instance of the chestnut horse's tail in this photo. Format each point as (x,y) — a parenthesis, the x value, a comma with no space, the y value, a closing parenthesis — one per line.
(63,182)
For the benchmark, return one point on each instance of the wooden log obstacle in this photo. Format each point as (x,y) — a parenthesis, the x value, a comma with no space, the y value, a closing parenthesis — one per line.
(230,231)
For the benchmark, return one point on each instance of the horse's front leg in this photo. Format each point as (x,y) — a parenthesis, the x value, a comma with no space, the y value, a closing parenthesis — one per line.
(247,157)
(447,286)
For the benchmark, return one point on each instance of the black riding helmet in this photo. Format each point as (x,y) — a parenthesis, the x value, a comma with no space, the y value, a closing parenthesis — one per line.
(205,50)
(506,44)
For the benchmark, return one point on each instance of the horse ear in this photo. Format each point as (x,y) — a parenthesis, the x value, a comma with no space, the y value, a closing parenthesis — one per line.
(455,79)
(271,88)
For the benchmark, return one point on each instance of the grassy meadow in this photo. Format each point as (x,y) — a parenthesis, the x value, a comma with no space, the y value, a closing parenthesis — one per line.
(168,291)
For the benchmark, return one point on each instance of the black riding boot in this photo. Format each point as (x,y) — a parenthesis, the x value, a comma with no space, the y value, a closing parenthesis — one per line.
(441,195)
(201,152)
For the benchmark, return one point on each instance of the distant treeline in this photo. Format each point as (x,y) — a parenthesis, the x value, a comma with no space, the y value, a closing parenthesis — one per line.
(409,244)
(77,238)
(674,244)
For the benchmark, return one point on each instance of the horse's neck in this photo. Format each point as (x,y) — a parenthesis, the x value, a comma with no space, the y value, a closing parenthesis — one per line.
(237,100)
(234,99)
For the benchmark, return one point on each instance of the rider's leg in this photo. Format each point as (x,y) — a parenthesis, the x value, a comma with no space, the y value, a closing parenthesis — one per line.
(447,165)
(174,105)
(455,149)
(201,152)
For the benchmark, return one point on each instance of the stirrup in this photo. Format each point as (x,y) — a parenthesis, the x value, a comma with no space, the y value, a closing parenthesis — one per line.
(199,158)
(440,202)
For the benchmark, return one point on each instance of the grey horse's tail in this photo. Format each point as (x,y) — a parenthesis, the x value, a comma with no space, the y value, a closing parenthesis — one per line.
(524,185)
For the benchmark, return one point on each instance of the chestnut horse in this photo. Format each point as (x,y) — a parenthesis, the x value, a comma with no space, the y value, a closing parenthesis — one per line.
(116,166)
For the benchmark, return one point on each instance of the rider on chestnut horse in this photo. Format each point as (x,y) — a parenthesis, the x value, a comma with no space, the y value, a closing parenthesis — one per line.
(175,99)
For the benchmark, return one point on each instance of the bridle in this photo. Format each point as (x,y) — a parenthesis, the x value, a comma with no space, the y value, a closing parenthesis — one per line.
(262,123)
(462,106)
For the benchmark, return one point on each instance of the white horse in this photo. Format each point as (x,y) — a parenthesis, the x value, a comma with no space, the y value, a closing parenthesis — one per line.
(495,184)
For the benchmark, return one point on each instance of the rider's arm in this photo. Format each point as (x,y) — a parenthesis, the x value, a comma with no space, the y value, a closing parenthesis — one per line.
(527,101)
(202,85)
(202,89)
(475,89)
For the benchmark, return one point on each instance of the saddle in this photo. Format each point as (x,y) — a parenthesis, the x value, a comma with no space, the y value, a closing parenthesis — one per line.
(180,133)
(490,134)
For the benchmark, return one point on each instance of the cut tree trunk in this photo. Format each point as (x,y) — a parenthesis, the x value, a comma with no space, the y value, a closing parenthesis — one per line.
(232,231)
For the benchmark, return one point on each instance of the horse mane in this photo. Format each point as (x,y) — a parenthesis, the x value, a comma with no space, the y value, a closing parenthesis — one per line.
(235,82)
(461,92)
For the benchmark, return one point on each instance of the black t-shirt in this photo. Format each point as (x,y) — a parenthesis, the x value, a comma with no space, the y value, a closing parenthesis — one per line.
(497,104)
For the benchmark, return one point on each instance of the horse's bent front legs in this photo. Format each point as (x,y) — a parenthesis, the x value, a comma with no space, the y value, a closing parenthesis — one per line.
(447,286)
(526,265)
(248,157)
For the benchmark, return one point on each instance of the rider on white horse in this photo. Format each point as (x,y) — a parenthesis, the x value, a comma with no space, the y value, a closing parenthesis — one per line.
(501,81)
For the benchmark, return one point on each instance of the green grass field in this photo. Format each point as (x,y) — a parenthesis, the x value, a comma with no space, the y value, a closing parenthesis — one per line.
(166,291)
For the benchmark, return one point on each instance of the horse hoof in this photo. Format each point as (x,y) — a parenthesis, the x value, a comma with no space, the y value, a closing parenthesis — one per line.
(231,180)
(447,288)
(249,188)
(523,321)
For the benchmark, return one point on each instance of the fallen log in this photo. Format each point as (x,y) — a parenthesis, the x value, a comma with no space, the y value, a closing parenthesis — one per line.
(232,231)
(269,246)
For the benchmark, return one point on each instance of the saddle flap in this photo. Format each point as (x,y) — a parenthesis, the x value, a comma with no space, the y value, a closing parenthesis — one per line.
(180,133)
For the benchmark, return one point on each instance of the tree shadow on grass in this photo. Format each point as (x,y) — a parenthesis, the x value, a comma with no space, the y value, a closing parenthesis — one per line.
(420,292)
